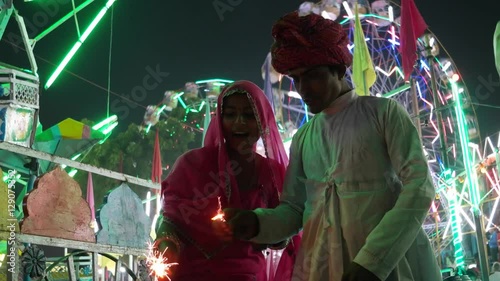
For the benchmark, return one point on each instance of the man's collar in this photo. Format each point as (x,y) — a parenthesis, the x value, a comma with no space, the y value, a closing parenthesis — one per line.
(341,103)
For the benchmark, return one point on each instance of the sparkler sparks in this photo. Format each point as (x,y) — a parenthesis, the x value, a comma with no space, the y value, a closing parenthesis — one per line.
(220,214)
(158,264)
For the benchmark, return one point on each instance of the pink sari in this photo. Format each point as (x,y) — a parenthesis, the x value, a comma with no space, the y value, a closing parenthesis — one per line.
(202,176)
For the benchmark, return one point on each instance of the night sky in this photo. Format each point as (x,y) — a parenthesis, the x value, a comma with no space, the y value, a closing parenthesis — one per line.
(190,41)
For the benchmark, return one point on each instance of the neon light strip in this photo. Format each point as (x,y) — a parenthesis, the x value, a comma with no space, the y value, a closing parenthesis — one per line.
(434,210)
(446,66)
(490,143)
(493,211)
(449,124)
(214,80)
(475,148)
(464,140)
(448,225)
(397,91)
(441,97)
(201,105)
(110,128)
(492,183)
(392,32)
(348,9)
(466,217)
(395,69)
(455,225)
(430,116)
(79,43)
(497,181)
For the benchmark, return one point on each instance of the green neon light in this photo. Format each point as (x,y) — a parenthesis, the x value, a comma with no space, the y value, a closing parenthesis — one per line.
(397,91)
(78,44)
(62,20)
(178,95)
(72,173)
(455,225)
(367,15)
(214,80)
(464,140)
(161,109)
(109,128)
(76,156)
(201,105)
(104,122)
(182,103)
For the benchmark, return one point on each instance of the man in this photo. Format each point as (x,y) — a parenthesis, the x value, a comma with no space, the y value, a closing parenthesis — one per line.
(493,244)
(358,183)
(495,269)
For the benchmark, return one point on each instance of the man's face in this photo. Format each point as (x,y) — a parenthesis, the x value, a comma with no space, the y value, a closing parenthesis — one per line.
(318,86)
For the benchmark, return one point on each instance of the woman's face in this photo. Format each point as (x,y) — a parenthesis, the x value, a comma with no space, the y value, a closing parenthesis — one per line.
(239,122)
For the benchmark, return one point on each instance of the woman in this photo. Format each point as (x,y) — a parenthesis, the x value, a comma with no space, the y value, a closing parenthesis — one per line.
(226,172)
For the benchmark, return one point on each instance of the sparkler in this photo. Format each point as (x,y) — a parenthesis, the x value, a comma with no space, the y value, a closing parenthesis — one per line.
(158,264)
(220,214)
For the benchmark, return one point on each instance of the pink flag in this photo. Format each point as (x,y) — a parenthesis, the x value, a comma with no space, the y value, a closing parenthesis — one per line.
(157,169)
(412,27)
(90,195)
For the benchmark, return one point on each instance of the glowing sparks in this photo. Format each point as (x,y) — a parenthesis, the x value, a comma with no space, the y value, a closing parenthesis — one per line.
(220,214)
(158,264)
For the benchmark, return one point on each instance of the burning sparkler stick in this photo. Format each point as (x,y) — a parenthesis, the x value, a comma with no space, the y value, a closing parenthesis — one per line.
(158,264)
(220,214)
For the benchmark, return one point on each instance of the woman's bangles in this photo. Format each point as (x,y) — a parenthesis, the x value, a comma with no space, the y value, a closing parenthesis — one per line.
(170,237)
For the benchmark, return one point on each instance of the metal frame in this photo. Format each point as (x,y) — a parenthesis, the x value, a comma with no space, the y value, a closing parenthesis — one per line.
(77,165)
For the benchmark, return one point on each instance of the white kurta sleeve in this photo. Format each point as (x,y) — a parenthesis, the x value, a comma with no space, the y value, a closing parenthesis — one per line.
(285,220)
(392,237)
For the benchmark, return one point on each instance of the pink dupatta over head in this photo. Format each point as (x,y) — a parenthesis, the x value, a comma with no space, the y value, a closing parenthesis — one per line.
(270,136)
(202,175)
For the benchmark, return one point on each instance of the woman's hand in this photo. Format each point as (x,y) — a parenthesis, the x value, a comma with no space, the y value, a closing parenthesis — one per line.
(222,230)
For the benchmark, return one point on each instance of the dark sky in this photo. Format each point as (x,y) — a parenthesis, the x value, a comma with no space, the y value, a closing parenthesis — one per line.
(190,41)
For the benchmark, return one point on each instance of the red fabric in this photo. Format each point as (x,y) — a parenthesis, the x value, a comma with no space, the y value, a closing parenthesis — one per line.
(157,169)
(308,41)
(191,190)
(287,261)
(412,27)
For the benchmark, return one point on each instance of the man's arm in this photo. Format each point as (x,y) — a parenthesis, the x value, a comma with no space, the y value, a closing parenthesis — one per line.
(391,239)
(282,222)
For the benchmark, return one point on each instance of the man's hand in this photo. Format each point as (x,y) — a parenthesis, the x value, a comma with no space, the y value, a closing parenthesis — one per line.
(356,272)
(240,224)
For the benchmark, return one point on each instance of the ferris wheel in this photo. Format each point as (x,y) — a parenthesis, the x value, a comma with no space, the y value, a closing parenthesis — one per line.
(440,105)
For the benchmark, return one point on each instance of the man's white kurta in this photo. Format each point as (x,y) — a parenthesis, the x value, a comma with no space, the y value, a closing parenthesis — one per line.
(359,185)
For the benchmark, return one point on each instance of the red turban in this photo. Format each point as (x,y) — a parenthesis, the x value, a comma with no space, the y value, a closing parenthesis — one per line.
(306,41)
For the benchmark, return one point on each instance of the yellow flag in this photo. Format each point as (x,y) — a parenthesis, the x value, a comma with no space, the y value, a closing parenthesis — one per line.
(363,73)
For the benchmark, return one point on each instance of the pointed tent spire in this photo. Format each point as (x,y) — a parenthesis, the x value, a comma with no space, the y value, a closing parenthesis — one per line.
(412,27)
(90,197)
